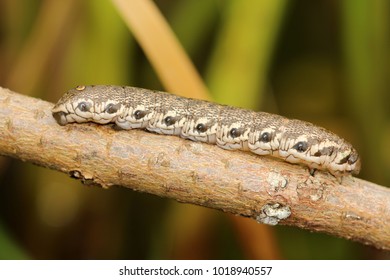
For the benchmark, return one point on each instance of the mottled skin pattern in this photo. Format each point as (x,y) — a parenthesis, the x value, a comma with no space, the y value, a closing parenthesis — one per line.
(228,127)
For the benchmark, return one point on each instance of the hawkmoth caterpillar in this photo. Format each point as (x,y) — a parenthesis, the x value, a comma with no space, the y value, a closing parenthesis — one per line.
(230,128)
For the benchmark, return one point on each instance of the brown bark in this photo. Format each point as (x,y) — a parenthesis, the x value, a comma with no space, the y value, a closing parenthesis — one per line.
(262,188)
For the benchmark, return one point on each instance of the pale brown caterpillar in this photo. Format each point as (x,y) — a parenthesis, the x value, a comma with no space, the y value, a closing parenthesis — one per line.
(228,127)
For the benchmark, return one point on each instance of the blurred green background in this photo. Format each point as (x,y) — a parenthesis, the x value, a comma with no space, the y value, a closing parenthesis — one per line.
(323,61)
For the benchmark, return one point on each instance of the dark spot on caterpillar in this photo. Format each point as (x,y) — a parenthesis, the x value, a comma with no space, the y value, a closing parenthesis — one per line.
(300,146)
(84,106)
(265,137)
(234,132)
(328,151)
(201,127)
(353,158)
(169,120)
(111,108)
(139,114)
(344,160)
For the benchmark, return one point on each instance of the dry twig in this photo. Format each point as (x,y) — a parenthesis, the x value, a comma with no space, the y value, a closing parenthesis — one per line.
(262,188)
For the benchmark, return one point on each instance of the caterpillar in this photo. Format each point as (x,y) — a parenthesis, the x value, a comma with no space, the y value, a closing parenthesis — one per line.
(230,128)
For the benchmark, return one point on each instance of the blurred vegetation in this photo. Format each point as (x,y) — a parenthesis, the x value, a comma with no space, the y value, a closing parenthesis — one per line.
(323,61)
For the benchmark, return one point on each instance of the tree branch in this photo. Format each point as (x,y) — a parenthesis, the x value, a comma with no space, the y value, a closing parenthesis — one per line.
(262,188)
